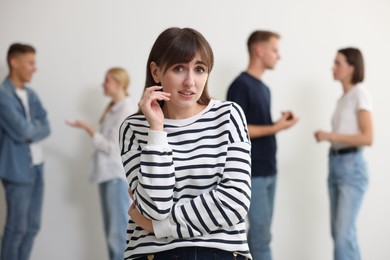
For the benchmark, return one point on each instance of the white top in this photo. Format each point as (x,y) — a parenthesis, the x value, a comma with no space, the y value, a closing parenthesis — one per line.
(36,147)
(107,163)
(345,118)
(192,179)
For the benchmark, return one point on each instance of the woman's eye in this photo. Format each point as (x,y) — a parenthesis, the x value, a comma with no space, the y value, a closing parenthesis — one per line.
(178,68)
(200,69)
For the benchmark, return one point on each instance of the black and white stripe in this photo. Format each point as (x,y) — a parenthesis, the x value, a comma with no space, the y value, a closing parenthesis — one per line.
(192,180)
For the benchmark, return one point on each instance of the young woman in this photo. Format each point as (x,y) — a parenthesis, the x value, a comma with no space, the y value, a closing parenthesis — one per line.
(351,131)
(107,165)
(187,159)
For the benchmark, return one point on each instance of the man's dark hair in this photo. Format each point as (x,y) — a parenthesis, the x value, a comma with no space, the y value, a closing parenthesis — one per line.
(17,49)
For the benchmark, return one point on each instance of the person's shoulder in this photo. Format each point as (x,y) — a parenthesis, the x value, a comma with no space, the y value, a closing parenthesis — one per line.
(361,90)
(242,78)
(223,102)
(226,105)
(240,85)
(4,88)
(128,107)
(215,103)
(361,87)
(6,91)
(135,119)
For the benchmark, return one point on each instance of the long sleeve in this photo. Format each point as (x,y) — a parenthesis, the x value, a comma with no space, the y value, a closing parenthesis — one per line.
(225,205)
(192,180)
(150,172)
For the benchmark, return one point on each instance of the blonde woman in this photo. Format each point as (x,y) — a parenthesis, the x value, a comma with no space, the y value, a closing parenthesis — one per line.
(107,169)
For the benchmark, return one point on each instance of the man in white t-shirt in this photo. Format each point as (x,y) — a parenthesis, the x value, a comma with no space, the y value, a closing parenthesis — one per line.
(23,125)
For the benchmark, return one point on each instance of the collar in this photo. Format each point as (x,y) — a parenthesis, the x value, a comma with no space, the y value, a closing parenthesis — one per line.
(10,86)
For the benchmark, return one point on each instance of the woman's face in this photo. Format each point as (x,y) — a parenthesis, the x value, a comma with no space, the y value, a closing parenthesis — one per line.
(111,86)
(184,81)
(342,71)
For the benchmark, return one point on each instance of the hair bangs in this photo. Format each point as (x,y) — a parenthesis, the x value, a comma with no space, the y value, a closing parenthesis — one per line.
(184,48)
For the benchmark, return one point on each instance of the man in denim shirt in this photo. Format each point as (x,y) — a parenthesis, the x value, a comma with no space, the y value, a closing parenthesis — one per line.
(23,124)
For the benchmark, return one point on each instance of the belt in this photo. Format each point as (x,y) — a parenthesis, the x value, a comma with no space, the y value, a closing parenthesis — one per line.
(201,252)
(343,150)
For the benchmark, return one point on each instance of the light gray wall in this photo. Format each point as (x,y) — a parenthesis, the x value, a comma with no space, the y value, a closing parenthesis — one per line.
(77,40)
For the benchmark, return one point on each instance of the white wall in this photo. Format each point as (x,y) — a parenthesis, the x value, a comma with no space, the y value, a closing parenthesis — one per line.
(77,40)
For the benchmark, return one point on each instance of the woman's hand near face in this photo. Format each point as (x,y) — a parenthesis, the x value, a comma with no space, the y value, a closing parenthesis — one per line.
(151,108)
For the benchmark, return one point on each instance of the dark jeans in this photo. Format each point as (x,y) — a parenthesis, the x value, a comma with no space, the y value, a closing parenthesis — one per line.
(194,253)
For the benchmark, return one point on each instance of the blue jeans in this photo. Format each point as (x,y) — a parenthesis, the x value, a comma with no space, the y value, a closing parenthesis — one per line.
(115,201)
(194,253)
(260,217)
(347,183)
(24,207)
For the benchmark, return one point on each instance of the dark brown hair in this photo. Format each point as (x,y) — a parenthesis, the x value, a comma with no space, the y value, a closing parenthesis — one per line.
(260,36)
(17,49)
(176,45)
(354,58)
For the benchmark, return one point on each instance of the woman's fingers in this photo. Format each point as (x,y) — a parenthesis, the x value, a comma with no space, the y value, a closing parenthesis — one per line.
(152,94)
(150,98)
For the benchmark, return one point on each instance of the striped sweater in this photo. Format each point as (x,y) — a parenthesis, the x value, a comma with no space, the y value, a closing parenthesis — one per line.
(192,180)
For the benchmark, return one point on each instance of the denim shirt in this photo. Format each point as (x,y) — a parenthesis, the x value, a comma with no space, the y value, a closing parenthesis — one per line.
(16,132)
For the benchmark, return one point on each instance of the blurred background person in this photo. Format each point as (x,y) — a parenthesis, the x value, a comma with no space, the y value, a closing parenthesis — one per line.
(23,125)
(107,168)
(254,96)
(352,129)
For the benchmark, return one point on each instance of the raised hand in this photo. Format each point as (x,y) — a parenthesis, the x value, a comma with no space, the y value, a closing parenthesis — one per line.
(151,108)
(83,125)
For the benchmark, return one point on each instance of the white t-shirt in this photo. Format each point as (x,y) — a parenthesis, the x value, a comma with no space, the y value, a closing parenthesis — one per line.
(36,147)
(345,118)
